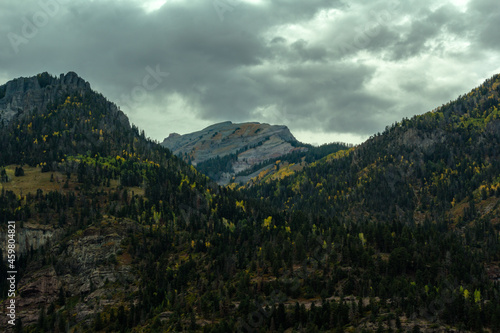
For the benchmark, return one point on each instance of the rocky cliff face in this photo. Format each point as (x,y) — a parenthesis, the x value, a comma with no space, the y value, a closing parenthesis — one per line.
(23,95)
(225,138)
(251,143)
(29,236)
(91,266)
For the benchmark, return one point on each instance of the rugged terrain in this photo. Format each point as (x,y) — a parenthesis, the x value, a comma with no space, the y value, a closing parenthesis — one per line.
(24,95)
(243,145)
(117,234)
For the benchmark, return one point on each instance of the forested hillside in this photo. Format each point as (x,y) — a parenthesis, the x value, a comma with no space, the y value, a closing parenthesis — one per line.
(398,234)
(418,168)
(438,172)
(285,165)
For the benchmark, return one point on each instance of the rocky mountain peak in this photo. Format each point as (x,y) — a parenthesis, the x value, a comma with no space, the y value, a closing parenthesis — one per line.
(172,136)
(246,144)
(72,79)
(29,93)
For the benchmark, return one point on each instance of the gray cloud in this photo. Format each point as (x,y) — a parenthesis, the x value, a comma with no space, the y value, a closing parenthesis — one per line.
(317,66)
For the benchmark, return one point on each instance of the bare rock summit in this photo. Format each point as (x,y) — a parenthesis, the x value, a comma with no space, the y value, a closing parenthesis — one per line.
(242,145)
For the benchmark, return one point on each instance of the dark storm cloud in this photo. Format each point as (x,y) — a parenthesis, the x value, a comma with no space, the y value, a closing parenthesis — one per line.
(415,42)
(319,66)
(306,53)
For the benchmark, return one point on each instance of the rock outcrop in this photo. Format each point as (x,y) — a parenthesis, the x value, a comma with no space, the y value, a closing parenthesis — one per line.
(90,265)
(23,95)
(30,237)
(251,143)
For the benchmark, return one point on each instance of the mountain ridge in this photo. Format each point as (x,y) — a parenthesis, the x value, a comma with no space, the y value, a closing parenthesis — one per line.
(81,164)
(454,138)
(247,144)
(14,100)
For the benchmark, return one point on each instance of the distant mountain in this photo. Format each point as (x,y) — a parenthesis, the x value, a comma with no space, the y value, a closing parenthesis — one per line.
(285,165)
(225,149)
(247,153)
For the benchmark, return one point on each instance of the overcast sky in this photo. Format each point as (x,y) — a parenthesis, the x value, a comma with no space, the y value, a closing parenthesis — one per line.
(329,70)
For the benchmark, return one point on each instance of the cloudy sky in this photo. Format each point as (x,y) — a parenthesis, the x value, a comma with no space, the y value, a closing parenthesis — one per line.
(330,70)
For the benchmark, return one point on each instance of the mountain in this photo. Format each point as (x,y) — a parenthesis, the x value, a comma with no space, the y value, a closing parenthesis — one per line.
(23,95)
(45,118)
(117,234)
(282,166)
(417,169)
(71,168)
(425,191)
(224,138)
(228,148)
(247,152)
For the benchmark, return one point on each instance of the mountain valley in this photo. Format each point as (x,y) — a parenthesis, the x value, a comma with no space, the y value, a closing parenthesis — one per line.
(261,233)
